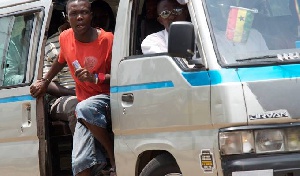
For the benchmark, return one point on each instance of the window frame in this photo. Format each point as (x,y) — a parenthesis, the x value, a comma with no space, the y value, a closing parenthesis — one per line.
(34,37)
(134,26)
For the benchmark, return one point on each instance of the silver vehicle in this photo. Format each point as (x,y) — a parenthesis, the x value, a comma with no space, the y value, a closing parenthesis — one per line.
(222,101)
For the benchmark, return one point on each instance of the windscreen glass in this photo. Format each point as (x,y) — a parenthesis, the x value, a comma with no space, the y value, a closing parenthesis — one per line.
(255,30)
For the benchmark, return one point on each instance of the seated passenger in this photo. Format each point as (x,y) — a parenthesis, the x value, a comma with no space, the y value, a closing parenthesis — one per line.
(231,43)
(103,16)
(62,88)
(17,53)
(15,64)
(168,11)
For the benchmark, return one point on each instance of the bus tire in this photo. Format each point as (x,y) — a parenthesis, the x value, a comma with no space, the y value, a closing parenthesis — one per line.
(162,165)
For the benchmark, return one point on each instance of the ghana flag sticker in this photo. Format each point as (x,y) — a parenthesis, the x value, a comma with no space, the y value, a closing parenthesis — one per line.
(239,23)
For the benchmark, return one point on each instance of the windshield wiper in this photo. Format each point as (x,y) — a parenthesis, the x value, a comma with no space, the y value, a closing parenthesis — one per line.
(258,58)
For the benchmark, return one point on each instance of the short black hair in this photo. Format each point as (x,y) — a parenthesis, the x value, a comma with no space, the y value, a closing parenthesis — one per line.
(69,1)
(159,1)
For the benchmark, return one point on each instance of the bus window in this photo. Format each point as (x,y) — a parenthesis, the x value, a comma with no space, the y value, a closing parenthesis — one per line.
(5,30)
(17,54)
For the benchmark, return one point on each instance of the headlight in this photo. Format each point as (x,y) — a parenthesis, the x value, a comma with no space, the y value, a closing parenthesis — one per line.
(269,141)
(236,142)
(260,141)
(293,139)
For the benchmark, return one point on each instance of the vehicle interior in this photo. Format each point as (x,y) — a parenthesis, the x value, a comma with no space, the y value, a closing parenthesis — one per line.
(282,21)
(273,30)
(144,22)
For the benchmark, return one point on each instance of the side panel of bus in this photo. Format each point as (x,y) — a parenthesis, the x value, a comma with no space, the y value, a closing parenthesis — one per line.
(21,38)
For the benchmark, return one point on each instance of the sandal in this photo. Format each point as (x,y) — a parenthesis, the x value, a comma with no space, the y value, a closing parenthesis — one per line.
(96,170)
(112,171)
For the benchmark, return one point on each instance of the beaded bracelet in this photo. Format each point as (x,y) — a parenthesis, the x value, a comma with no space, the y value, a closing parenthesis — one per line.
(46,79)
(96,78)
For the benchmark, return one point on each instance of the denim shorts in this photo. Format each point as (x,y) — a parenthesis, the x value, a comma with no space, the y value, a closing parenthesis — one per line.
(87,151)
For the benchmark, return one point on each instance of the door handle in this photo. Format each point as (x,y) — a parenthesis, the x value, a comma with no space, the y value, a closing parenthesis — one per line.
(128,98)
(26,116)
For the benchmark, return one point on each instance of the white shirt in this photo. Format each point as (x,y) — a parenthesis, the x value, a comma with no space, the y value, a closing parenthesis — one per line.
(155,43)
(158,43)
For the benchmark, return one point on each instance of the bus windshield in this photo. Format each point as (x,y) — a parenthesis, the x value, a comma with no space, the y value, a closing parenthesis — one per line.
(257,31)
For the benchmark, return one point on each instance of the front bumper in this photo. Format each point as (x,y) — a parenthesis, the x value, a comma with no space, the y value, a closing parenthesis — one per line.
(281,164)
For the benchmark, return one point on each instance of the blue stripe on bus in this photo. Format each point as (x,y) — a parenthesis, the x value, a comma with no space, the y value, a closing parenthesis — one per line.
(16,99)
(197,78)
(205,78)
(215,77)
(269,73)
(135,87)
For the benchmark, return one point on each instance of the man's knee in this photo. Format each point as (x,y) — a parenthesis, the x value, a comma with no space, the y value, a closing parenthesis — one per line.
(79,166)
(96,103)
(82,106)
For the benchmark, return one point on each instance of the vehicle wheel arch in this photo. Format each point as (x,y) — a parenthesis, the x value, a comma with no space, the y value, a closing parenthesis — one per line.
(146,156)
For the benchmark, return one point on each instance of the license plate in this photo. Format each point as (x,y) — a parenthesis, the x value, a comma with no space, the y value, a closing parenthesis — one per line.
(254,173)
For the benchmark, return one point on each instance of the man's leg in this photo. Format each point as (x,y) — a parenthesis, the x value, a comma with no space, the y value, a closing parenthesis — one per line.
(85,155)
(103,137)
(69,109)
(64,109)
(92,113)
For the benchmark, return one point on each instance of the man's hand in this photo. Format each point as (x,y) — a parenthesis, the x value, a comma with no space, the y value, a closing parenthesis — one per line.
(39,88)
(84,75)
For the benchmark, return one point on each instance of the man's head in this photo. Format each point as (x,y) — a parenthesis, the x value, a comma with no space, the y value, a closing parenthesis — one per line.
(79,15)
(169,11)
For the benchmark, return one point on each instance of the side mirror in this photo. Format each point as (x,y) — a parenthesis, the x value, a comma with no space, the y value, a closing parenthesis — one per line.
(181,39)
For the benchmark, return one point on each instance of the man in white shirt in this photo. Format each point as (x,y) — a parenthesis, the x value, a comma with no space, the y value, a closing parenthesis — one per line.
(168,11)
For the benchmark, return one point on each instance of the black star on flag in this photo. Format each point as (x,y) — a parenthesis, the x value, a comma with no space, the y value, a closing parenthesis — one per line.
(242,18)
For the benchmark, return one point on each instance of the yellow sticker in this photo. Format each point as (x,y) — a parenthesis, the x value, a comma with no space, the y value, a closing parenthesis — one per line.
(206,161)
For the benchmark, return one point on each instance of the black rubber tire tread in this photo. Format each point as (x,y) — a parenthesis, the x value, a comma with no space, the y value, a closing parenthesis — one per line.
(161,165)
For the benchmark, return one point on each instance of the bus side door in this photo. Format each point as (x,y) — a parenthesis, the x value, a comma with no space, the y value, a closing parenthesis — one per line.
(21,38)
